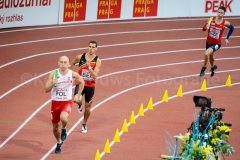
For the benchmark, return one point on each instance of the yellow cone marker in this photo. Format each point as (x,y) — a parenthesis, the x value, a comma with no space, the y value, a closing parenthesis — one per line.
(165,96)
(228,82)
(107,147)
(204,85)
(179,93)
(124,126)
(150,105)
(141,111)
(116,136)
(132,118)
(97,156)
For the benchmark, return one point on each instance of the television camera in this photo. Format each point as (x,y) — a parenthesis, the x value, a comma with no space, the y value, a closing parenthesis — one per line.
(207,112)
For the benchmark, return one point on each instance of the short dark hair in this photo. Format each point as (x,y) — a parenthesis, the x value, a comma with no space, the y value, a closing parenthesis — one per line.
(223,8)
(93,42)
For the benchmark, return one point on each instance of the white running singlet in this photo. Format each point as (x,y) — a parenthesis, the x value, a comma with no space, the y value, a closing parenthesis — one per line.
(63,90)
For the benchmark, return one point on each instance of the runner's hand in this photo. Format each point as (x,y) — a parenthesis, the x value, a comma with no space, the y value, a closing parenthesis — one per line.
(55,81)
(88,63)
(207,26)
(89,66)
(226,41)
(77,99)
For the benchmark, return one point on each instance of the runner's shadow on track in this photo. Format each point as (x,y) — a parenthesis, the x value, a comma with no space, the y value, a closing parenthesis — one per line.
(86,140)
(104,122)
(43,118)
(35,146)
(198,81)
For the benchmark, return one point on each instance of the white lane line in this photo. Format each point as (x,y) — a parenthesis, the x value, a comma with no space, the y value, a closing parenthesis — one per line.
(28,119)
(119,93)
(40,54)
(101,34)
(154,105)
(11,90)
(163,65)
(154,53)
(110,45)
(109,23)
(25,122)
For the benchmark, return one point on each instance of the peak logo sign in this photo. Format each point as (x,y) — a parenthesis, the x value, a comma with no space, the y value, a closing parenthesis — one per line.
(212,5)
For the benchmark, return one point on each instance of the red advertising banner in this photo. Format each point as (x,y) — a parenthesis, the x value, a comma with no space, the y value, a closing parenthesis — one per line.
(115,8)
(68,14)
(142,8)
(151,8)
(103,9)
(74,10)
(80,13)
(139,8)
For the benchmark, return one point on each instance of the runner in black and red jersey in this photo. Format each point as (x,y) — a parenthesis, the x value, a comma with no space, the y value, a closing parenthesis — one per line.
(215,29)
(89,67)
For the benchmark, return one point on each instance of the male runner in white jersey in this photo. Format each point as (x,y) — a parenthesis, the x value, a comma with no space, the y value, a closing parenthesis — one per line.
(61,95)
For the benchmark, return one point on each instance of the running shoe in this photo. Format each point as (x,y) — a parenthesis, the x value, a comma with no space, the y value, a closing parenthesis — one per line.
(64,134)
(202,73)
(80,108)
(58,148)
(84,128)
(213,70)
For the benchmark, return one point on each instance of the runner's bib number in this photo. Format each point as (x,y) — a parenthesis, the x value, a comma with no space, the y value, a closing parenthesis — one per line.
(61,94)
(214,33)
(86,75)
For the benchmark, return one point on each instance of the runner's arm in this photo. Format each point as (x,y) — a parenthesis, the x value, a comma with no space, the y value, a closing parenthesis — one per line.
(231,28)
(94,73)
(75,61)
(49,84)
(80,80)
(207,25)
